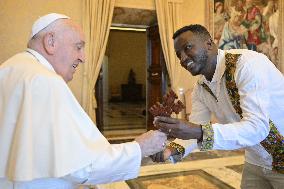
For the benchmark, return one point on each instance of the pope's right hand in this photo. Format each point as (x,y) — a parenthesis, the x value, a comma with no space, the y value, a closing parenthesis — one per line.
(151,142)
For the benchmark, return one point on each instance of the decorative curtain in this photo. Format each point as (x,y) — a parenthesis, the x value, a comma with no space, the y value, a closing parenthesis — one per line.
(168,14)
(97,17)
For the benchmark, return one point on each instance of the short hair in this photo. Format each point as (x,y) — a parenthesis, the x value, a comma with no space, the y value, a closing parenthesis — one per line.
(197,29)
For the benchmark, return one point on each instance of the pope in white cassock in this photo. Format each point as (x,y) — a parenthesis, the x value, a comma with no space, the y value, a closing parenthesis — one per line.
(46,138)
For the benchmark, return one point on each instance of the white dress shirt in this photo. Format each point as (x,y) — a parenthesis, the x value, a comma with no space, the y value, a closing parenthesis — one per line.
(261,90)
(46,138)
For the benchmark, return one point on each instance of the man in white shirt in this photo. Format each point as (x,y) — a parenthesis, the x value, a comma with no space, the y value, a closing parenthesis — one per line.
(46,138)
(245,92)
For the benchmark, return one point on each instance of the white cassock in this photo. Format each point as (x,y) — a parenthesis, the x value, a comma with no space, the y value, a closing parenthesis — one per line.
(46,138)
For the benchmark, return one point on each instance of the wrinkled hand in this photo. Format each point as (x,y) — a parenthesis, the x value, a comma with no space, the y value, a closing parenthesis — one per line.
(177,128)
(151,142)
(163,155)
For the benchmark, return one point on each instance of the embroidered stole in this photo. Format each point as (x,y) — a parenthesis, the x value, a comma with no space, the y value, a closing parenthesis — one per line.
(274,142)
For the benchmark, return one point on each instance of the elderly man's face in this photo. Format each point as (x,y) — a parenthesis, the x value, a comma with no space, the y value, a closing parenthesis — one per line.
(70,51)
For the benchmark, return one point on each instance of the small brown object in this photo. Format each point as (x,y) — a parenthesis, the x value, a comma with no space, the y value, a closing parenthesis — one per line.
(169,105)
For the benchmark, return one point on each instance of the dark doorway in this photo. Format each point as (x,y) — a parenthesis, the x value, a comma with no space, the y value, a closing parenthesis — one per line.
(125,101)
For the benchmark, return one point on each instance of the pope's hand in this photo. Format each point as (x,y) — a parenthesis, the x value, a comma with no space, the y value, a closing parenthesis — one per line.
(151,142)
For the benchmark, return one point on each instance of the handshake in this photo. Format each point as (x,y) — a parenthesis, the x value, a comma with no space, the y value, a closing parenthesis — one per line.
(153,143)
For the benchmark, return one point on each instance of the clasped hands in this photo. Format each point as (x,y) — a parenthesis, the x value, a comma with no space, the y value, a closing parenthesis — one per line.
(175,128)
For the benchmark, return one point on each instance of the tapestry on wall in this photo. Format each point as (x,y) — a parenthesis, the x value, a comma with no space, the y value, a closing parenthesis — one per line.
(250,24)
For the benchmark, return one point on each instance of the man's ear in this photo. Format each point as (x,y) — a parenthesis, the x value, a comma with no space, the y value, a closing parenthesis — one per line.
(49,43)
(210,43)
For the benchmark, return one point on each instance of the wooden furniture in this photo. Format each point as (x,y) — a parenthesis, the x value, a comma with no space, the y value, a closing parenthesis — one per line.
(131,92)
(157,72)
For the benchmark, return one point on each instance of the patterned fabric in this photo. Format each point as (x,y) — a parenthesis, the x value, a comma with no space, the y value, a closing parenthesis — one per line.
(209,90)
(208,137)
(231,86)
(274,142)
(274,145)
(180,149)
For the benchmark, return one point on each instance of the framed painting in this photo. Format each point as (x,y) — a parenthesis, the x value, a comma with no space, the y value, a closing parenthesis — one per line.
(251,24)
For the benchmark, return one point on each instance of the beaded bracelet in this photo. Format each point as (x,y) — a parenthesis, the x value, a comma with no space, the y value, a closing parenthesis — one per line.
(180,149)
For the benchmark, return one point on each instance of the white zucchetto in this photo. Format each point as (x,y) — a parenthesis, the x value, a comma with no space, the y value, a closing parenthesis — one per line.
(45,21)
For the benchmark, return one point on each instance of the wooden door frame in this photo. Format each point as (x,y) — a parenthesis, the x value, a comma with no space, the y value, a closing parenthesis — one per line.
(156,72)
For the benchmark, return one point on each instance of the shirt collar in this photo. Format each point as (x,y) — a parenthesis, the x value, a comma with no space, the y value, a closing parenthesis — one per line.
(40,59)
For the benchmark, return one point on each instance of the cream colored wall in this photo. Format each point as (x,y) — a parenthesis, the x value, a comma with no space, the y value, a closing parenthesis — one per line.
(17,17)
(138,4)
(126,50)
(193,12)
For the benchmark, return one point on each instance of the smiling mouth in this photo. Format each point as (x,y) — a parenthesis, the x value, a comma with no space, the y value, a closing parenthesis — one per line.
(188,64)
